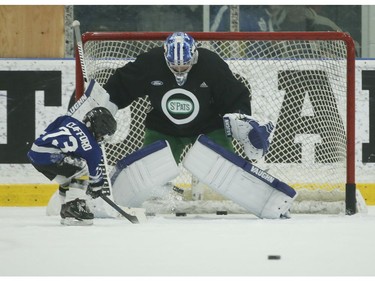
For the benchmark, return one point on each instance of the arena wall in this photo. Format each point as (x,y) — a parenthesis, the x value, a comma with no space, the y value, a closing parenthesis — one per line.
(35,91)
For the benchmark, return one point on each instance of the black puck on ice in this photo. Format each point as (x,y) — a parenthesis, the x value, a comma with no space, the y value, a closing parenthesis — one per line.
(274,257)
(181,214)
(221,213)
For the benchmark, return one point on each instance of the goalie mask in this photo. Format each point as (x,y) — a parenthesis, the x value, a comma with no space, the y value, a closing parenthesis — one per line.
(100,122)
(180,52)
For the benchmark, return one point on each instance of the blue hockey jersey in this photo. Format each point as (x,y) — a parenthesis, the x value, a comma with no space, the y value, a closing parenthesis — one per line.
(67,136)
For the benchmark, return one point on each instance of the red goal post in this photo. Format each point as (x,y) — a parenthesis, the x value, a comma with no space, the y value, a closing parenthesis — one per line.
(310,77)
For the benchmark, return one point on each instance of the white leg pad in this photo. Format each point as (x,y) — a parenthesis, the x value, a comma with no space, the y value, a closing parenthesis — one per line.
(137,176)
(236,179)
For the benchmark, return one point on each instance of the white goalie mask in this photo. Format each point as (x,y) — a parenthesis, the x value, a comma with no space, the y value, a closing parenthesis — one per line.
(180,54)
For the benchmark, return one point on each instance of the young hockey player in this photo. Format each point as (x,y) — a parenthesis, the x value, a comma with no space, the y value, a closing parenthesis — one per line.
(68,152)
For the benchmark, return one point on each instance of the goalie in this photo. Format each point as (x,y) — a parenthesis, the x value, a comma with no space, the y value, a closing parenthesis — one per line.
(68,153)
(137,175)
(190,90)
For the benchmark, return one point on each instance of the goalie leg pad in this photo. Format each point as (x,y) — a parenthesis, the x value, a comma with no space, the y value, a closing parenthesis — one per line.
(235,178)
(137,176)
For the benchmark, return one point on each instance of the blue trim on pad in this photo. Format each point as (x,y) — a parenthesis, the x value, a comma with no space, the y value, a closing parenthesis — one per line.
(137,155)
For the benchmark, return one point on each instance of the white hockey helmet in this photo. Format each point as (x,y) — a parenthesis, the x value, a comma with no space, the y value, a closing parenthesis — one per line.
(180,52)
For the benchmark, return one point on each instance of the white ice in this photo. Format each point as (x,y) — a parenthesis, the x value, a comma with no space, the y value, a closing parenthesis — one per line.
(33,244)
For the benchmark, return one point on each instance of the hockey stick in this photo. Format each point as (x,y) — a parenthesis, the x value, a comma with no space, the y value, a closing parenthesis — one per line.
(131,218)
(76,29)
(103,165)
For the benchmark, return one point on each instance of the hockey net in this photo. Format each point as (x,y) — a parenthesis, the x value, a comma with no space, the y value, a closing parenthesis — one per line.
(303,82)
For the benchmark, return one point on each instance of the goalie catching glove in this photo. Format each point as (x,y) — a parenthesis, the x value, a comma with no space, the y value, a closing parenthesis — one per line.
(249,132)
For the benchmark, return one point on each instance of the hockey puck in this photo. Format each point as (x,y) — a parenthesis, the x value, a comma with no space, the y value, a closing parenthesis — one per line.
(274,257)
(181,214)
(220,213)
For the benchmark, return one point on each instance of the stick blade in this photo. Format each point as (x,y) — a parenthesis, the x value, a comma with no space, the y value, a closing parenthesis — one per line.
(139,213)
(131,218)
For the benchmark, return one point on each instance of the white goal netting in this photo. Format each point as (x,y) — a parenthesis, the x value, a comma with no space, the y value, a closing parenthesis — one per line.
(298,81)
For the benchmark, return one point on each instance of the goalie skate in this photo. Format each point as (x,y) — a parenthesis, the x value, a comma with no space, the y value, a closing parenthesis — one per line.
(76,212)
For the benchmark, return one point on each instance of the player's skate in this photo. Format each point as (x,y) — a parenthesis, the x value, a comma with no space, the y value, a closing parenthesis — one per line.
(76,212)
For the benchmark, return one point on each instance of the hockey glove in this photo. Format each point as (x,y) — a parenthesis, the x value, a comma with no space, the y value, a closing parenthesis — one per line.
(249,132)
(95,190)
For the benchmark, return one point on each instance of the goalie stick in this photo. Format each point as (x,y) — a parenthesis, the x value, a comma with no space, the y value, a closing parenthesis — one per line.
(76,29)
(103,164)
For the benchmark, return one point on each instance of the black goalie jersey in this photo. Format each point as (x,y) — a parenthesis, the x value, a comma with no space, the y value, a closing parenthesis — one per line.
(197,107)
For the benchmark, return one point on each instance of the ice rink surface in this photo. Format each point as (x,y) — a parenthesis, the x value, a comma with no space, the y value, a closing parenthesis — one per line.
(33,244)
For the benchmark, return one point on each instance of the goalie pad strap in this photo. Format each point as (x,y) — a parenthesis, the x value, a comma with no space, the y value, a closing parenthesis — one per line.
(138,175)
(230,175)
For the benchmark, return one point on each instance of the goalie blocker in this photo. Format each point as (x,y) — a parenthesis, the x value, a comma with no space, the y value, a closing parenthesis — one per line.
(236,179)
(94,96)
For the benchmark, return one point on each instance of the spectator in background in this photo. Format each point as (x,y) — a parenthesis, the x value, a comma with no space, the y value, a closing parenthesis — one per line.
(169,18)
(274,18)
(299,18)
(252,18)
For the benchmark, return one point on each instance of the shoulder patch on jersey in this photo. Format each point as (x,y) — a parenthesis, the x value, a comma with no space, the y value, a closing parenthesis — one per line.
(157,83)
